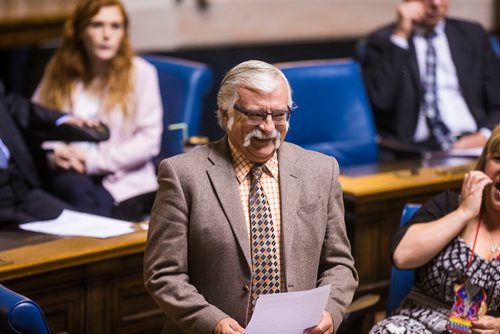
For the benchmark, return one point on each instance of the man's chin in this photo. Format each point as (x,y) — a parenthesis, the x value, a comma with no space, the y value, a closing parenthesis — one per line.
(261,154)
(431,22)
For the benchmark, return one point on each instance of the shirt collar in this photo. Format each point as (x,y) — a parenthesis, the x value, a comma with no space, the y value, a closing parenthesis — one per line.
(242,165)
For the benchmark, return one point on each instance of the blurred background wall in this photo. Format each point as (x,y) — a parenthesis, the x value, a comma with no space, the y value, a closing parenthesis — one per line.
(220,33)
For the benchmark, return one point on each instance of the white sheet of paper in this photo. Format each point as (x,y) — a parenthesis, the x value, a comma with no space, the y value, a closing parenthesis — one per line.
(288,313)
(465,152)
(73,223)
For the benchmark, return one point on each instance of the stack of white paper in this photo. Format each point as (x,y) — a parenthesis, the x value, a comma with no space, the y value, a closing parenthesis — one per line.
(72,223)
(474,152)
(288,313)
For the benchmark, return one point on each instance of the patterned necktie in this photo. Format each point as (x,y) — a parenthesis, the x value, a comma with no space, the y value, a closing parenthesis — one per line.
(439,130)
(265,272)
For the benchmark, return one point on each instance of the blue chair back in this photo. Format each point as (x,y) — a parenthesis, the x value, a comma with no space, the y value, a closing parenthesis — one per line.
(183,86)
(19,314)
(495,44)
(333,115)
(401,279)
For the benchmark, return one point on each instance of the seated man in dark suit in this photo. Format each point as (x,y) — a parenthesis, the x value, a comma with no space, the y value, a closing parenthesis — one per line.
(21,197)
(432,81)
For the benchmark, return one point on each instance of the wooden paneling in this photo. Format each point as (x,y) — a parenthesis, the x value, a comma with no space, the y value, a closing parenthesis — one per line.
(61,295)
(86,285)
(32,21)
(103,297)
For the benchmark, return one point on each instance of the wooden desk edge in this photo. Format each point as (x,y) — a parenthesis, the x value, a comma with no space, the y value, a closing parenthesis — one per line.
(64,253)
(387,183)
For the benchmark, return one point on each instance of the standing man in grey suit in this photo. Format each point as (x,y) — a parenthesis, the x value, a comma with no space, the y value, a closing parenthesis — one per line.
(427,69)
(246,215)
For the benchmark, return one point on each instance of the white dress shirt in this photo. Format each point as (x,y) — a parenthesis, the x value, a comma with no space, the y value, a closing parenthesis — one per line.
(452,107)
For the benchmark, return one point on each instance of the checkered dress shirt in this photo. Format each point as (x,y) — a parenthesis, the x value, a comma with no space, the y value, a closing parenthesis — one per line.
(270,183)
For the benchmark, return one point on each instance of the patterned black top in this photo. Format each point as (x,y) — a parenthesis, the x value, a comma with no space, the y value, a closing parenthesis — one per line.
(426,309)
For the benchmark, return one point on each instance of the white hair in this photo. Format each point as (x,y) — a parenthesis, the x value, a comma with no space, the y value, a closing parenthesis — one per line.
(253,74)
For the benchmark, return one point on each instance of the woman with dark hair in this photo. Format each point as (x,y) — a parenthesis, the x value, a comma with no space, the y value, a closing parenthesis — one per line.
(453,242)
(94,74)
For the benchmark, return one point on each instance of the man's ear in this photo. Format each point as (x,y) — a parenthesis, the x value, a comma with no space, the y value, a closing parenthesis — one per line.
(224,116)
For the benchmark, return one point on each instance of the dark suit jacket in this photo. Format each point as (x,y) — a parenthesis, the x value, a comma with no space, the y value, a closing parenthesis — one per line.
(394,85)
(197,260)
(19,118)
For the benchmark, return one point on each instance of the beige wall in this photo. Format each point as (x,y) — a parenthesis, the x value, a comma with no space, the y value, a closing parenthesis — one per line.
(176,24)
(169,25)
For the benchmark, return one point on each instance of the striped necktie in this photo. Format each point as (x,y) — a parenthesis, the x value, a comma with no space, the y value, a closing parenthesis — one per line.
(439,130)
(265,272)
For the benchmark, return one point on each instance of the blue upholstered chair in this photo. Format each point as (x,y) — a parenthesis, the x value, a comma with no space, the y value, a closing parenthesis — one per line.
(183,86)
(333,115)
(401,279)
(19,314)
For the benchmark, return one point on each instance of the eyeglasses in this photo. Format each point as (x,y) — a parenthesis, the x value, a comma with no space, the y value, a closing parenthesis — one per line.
(257,117)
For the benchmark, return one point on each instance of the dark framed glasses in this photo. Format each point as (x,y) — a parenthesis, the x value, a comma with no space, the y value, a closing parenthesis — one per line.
(257,117)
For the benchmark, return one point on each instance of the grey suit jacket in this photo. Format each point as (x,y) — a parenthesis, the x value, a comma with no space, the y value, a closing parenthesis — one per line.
(197,262)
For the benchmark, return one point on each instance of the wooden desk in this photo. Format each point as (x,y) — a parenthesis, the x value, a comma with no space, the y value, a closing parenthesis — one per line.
(373,206)
(88,285)
(32,21)
(85,285)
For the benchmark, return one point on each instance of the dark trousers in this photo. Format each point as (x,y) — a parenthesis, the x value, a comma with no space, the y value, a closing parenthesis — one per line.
(35,205)
(136,208)
(87,194)
(21,202)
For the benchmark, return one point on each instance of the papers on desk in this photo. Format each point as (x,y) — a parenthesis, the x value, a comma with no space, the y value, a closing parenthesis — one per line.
(474,152)
(288,313)
(72,223)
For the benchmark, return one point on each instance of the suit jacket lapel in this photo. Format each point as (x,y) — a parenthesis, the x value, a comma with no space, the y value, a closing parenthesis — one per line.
(289,186)
(223,179)
(414,72)
(224,182)
(458,51)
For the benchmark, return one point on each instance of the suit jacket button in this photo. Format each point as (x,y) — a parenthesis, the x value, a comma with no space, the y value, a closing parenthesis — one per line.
(246,288)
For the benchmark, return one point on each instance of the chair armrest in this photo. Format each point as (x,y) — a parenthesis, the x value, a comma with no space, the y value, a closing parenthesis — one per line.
(71,132)
(19,314)
(196,140)
(363,303)
(401,150)
(27,318)
(357,311)
(360,306)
